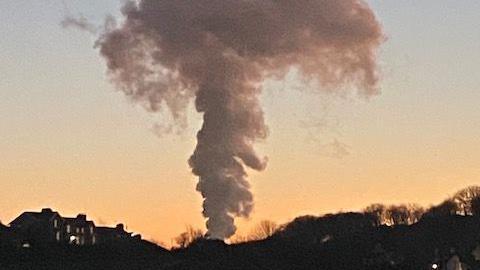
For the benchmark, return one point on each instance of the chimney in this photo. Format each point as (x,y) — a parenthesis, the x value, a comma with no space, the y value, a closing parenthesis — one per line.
(46,210)
(82,217)
(120,227)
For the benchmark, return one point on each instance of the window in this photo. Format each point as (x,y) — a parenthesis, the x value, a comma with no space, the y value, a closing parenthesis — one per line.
(73,239)
(78,230)
(57,236)
(91,229)
(55,223)
(83,230)
(69,230)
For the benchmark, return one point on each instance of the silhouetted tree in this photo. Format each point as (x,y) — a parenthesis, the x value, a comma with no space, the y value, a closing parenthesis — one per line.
(464,197)
(188,237)
(304,228)
(446,208)
(415,213)
(378,212)
(397,215)
(264,229)
(403,214)
(476,206)
(313,230)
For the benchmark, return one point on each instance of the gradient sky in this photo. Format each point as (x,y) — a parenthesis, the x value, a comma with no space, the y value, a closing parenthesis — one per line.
(69,141)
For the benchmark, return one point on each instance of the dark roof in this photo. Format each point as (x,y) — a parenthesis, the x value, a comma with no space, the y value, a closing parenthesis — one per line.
(105,230)
(45,215)
(79,221)
(112,231)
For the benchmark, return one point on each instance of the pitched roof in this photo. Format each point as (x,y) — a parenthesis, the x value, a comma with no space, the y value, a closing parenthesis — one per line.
(78,222)
(45,215)
(112,231)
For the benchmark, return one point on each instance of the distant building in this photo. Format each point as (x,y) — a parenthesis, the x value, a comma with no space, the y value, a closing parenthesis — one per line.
(79,230)
(48,227)
(107,235)
(38,228)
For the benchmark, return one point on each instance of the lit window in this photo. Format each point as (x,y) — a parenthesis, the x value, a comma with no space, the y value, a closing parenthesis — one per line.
(55,223)
(91,229)
(68,229)
(78,230)
(83,230)
(57,236)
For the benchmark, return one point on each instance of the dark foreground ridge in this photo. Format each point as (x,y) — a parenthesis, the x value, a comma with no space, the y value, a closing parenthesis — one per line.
(446,237)
(348,244)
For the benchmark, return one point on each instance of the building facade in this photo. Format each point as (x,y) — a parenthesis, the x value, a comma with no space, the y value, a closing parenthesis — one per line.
(36,228)
(79,231)
(49,227)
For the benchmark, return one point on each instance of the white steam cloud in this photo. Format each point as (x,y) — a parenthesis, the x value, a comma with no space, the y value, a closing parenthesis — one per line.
(218,52)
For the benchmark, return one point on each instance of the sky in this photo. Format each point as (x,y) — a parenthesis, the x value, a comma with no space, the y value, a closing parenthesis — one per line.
(70,141)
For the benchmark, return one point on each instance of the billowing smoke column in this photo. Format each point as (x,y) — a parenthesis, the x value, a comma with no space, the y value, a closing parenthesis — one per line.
(219,52)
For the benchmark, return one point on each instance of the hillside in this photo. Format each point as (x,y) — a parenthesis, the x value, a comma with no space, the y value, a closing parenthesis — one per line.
(342,241)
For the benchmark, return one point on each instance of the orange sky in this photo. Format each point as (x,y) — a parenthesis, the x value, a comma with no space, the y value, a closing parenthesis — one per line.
(69,141)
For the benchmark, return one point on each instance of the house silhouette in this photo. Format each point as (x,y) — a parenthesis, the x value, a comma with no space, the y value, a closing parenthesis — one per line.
(79,230)
(49,227)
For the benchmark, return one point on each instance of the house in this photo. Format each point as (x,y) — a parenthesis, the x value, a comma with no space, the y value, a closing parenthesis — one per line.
(79,230)
(43,227)
(106,235)
(48,227)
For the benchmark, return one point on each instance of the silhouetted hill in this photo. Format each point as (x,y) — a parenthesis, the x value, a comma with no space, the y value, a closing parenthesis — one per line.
(340,241)
(348,247)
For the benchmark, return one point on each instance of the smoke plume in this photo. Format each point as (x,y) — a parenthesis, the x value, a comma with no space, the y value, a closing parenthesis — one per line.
(80,23)
(166,52)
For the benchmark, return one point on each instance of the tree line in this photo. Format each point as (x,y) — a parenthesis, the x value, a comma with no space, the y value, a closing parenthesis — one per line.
(465,202)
